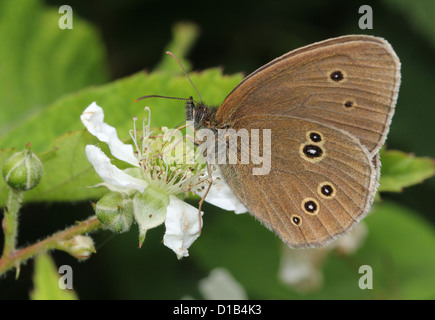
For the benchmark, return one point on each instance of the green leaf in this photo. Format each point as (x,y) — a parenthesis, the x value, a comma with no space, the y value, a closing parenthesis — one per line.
(62,61)
(39,62)
(400,170)
(117,100)
(67,171)
(46,281)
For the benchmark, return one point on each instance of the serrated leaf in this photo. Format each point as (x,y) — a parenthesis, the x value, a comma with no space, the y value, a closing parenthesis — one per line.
(400,170)
(117,100)
(46,281)
(39,62)
(67,172)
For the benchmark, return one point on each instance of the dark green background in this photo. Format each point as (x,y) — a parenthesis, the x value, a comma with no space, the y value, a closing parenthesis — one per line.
(239,36)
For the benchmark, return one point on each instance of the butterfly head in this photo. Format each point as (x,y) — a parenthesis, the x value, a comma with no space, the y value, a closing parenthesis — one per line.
(200,114)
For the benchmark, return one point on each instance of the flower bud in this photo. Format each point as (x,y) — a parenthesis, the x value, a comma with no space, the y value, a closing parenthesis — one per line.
(80,247)
(115,211)
(23,170)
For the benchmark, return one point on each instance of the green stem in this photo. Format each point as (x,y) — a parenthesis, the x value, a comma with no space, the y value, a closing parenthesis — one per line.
(19,256)
(10,221)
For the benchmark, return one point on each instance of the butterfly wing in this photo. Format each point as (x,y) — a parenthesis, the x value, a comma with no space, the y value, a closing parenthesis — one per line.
(350,83)
(307,198)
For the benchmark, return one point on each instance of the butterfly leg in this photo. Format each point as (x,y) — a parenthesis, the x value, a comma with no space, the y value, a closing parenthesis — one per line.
(210,183)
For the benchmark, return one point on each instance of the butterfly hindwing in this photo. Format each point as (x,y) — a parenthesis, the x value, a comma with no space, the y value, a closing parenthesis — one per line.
(321,181)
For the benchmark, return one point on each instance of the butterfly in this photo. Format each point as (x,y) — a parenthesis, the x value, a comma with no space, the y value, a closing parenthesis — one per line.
(328,107)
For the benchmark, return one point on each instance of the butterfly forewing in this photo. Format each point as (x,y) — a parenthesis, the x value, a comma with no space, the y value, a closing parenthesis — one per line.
(350,83)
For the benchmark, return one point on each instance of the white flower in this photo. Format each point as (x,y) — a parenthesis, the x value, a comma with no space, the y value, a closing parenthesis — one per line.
(301,269)
(156,179)
(221,195)
(221,285)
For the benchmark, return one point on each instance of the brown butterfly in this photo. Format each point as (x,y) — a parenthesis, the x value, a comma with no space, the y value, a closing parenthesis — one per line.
(328,107)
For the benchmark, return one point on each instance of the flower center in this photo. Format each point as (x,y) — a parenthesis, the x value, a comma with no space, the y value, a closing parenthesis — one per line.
(163,154)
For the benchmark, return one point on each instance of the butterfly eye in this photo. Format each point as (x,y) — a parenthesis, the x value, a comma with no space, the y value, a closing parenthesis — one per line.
(326,190)
(296,220)
(310,206)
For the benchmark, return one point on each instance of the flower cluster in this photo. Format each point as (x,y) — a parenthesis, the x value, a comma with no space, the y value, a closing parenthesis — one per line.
(151,190)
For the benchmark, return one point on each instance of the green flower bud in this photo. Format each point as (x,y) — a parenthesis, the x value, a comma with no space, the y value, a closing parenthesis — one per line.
(115,211)
(80,247)
(23,170)
(149,210)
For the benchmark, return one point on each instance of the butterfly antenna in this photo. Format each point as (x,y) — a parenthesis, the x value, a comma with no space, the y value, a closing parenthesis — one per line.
(185,72)
(165,97)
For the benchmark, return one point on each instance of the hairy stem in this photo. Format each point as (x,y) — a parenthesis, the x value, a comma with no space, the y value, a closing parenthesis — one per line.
(15,258)
(10,221)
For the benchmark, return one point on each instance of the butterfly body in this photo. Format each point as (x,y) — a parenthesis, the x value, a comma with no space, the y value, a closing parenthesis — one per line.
(328,108)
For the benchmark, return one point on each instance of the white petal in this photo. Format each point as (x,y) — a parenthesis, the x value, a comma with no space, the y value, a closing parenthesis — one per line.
(221,285)
(182,226)
(302,269)
(110,173)
(93,119)
(222,196)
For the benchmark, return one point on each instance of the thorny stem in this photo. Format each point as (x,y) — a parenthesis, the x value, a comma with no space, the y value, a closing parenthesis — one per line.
(15,258)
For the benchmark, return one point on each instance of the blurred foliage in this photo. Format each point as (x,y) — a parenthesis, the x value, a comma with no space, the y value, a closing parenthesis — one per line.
(46,281)
(50,75)
(400,271)
(40,62)
(400,170)
(418,14)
